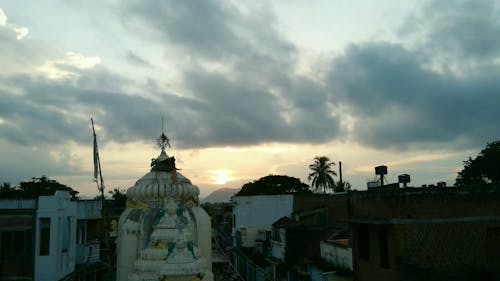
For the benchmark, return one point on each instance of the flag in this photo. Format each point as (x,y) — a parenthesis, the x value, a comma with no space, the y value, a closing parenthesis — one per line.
(96,158)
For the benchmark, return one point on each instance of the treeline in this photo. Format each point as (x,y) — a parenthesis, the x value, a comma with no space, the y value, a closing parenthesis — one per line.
(37,186)
(44,186)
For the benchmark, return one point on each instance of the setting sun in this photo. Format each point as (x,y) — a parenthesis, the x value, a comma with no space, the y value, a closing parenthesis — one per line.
(221,176)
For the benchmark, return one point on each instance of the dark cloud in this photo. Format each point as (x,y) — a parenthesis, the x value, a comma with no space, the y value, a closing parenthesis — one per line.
(20,163)
(399,103)
(223,113)
(393,91)
(135,59)
(459,30)
(211,29)
(443,90)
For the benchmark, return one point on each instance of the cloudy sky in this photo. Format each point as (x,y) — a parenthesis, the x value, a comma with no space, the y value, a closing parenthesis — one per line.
(246,88)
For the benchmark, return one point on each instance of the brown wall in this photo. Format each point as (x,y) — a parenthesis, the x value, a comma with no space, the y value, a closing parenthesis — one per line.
(425,203)
(431,234)
(335,203)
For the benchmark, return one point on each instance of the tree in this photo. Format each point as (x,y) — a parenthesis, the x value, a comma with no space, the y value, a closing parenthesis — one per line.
(43,186)
(342,187)
(322,174)
(274,184)
(119,197)
(7,191)
(484,169)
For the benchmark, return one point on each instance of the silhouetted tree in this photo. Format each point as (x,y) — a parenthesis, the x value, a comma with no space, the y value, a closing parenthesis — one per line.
(274,184)
(483,169)
(43,186)
(7,190)
(342,187)
(119,197)
(322,174)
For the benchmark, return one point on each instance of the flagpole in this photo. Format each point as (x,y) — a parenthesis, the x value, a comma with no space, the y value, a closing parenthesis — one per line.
(97,170)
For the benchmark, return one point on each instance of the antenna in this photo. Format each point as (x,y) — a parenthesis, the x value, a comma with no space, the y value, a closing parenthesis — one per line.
(162,126)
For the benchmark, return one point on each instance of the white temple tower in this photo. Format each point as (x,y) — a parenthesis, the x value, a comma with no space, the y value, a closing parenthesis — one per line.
(164,234)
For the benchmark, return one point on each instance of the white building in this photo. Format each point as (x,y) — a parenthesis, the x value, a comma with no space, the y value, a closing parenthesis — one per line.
(337,252)
(254,215)
(260,211)
(55,243)
(45,239)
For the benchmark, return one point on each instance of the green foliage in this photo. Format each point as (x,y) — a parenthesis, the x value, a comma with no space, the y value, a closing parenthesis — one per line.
(274,184)
(342,187)
(7,191)
(322,174)
(42,186)
(484,169)
(119,197)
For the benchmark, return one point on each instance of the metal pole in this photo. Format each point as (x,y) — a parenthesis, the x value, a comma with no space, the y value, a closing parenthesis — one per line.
(340,173)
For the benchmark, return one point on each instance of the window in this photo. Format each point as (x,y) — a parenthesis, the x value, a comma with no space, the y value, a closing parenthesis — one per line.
(383,248)
(12,243)
(44,236)
(493,243)
(363,242)
(81,232)
(66,234)
(6,244)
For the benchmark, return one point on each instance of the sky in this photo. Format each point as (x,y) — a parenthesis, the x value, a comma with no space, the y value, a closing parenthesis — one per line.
(246,88)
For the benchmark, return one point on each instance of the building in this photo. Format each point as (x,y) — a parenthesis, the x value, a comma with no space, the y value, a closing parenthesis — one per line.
(426,233)
(337,252)
(254,215)
(285,230)
(55,237)
(49,238)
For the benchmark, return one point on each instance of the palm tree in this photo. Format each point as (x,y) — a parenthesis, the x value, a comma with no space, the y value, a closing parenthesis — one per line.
(322,173)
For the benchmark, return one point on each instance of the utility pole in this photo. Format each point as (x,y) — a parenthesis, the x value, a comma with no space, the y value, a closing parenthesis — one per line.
(340,173)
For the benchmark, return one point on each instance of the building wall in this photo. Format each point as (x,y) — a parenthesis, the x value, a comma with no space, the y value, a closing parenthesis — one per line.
(432,234)
(250,234)
(38,238)
(55,245)
(420,203)
(260,211)
(335,204)
(278,244)
(340,257)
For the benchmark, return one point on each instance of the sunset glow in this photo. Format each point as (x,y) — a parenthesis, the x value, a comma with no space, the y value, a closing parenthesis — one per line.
(221,176)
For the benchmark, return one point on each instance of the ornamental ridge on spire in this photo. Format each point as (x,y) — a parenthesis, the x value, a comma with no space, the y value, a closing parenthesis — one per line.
(163,141)
(164,162)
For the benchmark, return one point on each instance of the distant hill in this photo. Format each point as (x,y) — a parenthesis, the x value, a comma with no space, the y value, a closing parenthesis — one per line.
(220,195)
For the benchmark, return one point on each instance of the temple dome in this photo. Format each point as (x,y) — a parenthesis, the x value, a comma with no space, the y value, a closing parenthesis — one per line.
(163,181)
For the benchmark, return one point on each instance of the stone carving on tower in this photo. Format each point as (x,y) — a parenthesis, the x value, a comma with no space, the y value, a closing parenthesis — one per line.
(164,234)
